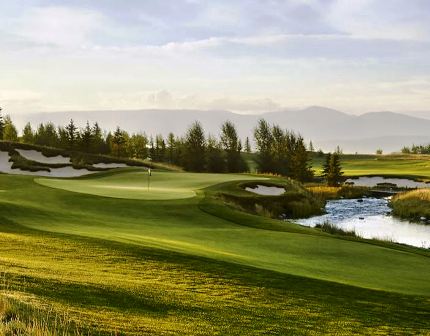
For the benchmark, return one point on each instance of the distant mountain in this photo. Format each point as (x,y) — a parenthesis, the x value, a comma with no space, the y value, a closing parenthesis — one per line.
(326,127)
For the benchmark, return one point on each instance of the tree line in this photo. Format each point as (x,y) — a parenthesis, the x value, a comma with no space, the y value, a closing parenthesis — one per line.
(278,151)
(416,149)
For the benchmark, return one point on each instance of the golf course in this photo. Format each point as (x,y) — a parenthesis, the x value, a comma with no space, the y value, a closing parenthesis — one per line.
(124,253)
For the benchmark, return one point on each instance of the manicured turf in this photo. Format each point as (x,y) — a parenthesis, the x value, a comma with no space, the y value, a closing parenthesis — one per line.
(134,184)
(385,165)
(195,266)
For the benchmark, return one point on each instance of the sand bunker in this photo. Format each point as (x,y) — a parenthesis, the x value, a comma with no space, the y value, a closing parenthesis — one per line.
(6,167)
(39,157)
(266,190)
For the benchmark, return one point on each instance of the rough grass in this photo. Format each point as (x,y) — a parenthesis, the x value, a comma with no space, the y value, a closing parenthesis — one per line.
(194,266)
(413,204)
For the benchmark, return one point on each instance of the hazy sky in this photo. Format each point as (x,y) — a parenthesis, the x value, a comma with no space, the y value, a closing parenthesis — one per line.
(245,56)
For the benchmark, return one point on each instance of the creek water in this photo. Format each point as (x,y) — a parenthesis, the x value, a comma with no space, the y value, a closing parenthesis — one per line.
(371,218)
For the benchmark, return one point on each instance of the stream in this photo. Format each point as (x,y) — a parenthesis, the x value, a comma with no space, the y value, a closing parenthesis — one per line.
(371,218)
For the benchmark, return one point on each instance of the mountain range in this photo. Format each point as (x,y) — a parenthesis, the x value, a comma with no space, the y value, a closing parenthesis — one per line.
(327,128)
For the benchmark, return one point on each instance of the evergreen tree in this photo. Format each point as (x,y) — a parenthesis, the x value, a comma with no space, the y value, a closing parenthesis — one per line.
(72,134)
(160,148)
(311,146)
(214,155)
(171,147)
(98,141)
(232,146)
(86,139)
(9,131)
(247,146)
(301,168)
(28,134)
(332,170)
(264,143)
(1,124)
(118,143)
(194,148)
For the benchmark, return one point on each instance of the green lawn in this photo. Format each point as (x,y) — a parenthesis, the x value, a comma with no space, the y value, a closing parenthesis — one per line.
(385,165)
(136,184)
(130,262)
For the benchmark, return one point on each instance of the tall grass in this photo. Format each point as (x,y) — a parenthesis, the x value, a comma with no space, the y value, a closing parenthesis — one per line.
(333,229)
(414,204)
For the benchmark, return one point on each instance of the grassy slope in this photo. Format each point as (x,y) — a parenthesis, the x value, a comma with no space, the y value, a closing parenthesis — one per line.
(385,165)
(119,262)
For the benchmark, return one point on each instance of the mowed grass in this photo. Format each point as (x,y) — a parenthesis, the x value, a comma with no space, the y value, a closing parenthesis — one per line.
(136,184)
(193,266)
(383,165)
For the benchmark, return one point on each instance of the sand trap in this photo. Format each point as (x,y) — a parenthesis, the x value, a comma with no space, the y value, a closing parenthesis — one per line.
(265,190)
(6,167)
(39,157)
(110,165)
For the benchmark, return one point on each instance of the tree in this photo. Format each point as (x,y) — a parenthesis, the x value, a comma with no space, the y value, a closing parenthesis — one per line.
(1,125)
(28,134)
(171,147)
(214,155)
(46,135)
(137,146)
(264,143)
(311,146)
(379,152)
(99,144)
(86,138)
(232,146)
(247,146)
(301,169)
(160,148)
(118,143)
(332,170)
(9,131)
(72,134)
(194,148)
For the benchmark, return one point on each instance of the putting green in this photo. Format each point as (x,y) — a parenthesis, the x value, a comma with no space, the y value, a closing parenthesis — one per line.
(134,185)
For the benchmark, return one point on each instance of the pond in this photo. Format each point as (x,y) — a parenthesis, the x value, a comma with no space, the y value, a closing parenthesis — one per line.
(266,190)
(371,218)
(373,181)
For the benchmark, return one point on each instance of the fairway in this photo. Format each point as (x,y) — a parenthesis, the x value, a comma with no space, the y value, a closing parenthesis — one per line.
(415,166)
(138,185)
(188,265)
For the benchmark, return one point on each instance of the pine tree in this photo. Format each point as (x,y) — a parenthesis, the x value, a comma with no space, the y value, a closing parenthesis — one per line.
(72,134)
(1,124)
(28,134)
(214,155)
(119,141)
(194,148)
(247,146)
(232,146)
(311,147)
(332,170)
(264,143)
(10,132)
(86,139)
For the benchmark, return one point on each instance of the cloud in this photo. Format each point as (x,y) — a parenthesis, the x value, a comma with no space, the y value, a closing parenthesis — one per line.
(58,26)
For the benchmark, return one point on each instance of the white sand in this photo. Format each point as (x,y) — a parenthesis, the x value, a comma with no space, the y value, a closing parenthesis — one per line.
(6,167)
(266,191)
(110,165)
(39,157)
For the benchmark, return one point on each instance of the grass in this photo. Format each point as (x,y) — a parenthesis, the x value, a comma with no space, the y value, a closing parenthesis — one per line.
(133,184)
(194,266)
(413,204)
(396,165)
